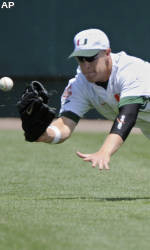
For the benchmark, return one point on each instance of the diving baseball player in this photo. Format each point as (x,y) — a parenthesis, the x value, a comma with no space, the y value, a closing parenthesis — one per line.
(117,85)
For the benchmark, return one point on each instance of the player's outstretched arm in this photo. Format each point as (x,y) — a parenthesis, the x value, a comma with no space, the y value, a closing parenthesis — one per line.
(102,157)
(58,131)
(121,128)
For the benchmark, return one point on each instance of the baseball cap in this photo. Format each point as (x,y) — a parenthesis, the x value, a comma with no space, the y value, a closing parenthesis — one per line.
(89,42)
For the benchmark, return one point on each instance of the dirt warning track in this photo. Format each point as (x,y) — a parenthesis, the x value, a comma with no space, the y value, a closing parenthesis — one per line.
(83,125)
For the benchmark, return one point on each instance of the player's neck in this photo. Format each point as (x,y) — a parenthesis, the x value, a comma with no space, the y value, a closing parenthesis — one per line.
(102,84)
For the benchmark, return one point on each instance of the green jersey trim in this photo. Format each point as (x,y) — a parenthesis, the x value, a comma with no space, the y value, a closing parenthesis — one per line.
(132,100)
(70,115)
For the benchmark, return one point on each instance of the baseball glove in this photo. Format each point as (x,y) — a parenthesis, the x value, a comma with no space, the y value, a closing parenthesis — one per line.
(34,111)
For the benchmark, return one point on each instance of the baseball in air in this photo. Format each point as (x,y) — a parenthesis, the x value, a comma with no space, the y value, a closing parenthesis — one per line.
(6,83)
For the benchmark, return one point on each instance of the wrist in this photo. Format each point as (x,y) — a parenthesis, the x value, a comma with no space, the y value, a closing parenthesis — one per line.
(56,138)
(51,135)
(105,151)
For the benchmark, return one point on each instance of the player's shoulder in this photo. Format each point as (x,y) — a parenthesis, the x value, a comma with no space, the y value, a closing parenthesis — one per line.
(78,84)
(122,60)
(128,67)
(79,76)
(79,79)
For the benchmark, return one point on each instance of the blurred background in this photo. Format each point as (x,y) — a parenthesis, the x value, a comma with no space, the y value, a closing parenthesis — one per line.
(36,38)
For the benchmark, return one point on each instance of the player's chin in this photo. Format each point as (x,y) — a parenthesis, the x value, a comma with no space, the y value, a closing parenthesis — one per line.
(91,77)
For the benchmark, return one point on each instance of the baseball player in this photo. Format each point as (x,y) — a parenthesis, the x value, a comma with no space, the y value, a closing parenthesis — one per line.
(117,85)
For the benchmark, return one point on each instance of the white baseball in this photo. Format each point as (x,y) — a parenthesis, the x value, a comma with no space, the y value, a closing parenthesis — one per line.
(6,83)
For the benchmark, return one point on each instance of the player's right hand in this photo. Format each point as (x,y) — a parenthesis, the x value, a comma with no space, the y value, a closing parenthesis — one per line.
(97,159)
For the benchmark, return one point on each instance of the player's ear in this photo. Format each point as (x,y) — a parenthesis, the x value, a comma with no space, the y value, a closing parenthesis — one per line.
(108,51)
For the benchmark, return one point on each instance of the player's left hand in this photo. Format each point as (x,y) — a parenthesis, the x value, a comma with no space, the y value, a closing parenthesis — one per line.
(34,111)
(97,159)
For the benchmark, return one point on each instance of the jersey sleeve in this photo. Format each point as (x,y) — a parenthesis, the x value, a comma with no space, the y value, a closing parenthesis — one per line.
(132,100)
(74,100)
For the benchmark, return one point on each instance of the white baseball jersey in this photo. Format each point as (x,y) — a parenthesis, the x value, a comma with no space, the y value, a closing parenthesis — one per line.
(129,82)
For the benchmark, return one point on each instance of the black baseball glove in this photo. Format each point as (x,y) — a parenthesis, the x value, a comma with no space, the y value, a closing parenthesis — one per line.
(34,111)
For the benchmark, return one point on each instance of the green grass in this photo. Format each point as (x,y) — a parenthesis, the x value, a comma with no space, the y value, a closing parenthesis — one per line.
(52,200)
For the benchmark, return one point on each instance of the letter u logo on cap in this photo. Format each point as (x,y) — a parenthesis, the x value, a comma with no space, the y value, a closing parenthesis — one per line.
(82,42)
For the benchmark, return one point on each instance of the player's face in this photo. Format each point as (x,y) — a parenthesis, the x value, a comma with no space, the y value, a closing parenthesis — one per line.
(97,68)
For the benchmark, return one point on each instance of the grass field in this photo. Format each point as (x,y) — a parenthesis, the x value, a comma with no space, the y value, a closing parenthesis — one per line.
(52,200)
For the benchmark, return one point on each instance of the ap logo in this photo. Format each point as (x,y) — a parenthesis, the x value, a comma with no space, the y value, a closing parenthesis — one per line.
(7,5)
